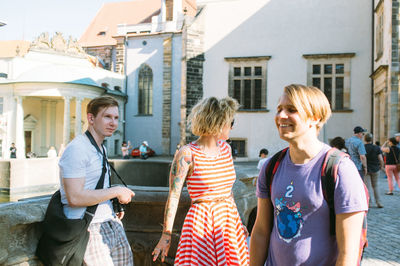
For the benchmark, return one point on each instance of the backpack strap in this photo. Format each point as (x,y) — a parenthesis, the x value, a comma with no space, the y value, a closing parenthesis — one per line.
(271,168)
(328,181)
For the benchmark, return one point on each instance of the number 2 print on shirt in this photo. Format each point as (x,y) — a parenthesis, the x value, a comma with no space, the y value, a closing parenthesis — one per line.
(288,215)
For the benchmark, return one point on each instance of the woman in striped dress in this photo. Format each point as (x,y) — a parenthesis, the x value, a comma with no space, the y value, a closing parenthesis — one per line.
(213,233)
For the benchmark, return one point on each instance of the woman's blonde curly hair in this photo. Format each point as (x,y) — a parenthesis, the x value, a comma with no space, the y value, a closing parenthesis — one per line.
(210,115)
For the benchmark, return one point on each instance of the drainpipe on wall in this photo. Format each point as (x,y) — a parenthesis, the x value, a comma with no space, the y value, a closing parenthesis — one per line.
(126,84)
(170,111)
(372,68)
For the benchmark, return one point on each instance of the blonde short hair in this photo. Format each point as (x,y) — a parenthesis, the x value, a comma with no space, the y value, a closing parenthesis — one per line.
(310,102)
(210,115)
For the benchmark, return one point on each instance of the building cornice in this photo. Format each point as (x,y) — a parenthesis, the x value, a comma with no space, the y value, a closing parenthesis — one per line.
(379,70)
(378,5)
(328,56)
(247,58)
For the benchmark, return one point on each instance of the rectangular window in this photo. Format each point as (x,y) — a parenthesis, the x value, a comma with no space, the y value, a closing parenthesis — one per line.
(332,76)
(247,81)
(1,105)
(1,148)
(116,146)
(238,148)
(379,32)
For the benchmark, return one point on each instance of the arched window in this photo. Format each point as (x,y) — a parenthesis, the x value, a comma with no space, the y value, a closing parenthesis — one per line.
(145,86)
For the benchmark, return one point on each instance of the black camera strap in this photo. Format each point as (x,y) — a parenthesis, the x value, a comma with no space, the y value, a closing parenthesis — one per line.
(91,210)
(105,161)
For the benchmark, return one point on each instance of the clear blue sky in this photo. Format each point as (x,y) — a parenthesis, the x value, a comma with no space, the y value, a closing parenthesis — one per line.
(27,19)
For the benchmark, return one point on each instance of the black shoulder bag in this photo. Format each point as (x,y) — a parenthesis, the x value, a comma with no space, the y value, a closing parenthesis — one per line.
(64,240)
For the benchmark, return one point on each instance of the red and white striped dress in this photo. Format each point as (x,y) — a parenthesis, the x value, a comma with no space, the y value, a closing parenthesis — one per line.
(212,233)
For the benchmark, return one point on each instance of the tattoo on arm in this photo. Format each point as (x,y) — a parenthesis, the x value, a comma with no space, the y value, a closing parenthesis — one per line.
(179,170)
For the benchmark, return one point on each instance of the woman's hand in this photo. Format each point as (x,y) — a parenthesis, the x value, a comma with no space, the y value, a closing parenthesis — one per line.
(162,247)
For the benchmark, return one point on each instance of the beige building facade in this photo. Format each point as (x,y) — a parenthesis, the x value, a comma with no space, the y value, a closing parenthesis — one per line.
(386,120)
(44,93)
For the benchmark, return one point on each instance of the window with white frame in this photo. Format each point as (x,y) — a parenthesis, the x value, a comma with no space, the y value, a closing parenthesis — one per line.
(248,81)
(145,87)
(331,74)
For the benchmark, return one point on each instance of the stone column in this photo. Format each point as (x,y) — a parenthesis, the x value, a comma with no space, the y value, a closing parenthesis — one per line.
(78,116)
(19,129)
(43,128)
(66,120)
(53,123)
(167,91)
(11,122)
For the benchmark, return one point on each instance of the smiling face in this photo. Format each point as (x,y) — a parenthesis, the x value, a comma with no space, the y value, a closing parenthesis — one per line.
(291,125)
(105,122)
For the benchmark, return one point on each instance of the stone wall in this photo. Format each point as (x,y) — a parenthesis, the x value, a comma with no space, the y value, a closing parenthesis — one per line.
(24,178)
(103,52)
(193,52)
(20,226)
(167,94)
(120,56)
(394,106)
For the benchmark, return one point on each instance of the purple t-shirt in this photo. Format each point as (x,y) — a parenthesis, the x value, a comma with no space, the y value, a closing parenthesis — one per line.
(300,235)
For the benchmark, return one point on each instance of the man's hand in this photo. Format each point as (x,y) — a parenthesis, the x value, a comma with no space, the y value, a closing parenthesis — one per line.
(120,215)
(124,194)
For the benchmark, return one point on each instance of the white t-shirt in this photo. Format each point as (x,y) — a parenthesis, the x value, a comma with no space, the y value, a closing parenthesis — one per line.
(81,159)
(261,163)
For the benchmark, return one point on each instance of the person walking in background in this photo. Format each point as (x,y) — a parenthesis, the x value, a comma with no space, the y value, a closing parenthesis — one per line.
(13,151)
(374,163)
(355,148)
(338,143)
(293,219)
(263,157)
(125,149)
(212,233)
(392,159)
(397,137)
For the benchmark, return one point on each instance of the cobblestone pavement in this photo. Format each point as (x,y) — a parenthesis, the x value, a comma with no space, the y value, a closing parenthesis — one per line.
(383,229)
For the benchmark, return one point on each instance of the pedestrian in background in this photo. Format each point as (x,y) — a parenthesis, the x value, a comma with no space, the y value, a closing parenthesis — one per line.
(355,148)
(125,149)
(374,163)
(397,137)
(392,159)
(212,233)
(339,143)
(13,151)
(293,221)
(263,157)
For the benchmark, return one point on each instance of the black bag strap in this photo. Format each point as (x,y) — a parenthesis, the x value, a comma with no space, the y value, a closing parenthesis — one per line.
(328,182)
(91,210)
(271,168)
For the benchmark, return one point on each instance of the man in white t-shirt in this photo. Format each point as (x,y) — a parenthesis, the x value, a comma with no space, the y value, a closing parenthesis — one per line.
(80,169)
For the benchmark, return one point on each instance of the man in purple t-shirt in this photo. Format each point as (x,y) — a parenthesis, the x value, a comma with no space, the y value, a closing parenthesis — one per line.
(297,192)
(292,226)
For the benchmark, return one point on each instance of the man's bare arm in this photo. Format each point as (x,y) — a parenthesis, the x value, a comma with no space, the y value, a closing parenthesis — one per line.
(77,196)
(260,235)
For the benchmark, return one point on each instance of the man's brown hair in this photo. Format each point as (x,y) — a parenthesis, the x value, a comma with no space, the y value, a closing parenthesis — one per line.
(98,103)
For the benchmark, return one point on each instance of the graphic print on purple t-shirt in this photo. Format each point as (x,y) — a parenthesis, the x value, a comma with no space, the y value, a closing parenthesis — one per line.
(288,216)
